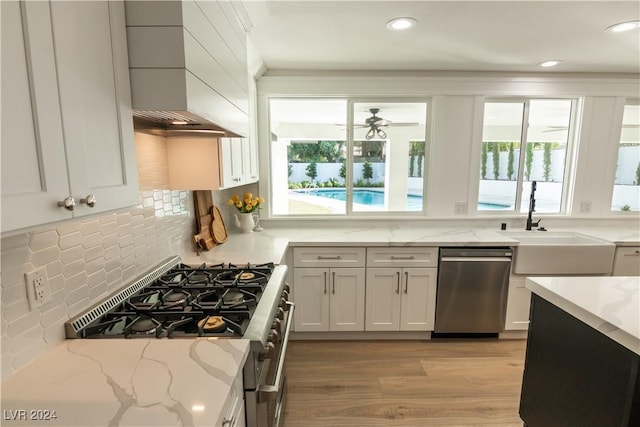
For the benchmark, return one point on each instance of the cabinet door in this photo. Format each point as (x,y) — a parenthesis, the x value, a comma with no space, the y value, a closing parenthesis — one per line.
(251,160)
(34,169)
(95,100)
(347,299)
(418,296)
(518,304)
(312,299)
(627,261)
(383,299)
(232,168)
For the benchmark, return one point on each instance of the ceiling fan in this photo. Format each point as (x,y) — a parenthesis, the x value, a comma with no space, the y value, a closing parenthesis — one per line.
(376,123)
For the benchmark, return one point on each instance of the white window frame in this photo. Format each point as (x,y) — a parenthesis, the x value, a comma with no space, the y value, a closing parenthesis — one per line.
(570,156)
(349,212)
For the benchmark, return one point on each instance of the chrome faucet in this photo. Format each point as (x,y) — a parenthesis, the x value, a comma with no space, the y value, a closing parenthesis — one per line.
(532,208)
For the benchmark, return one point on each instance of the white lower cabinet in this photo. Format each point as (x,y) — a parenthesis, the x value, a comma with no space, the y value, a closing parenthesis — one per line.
(400,299)
(518,302)
(329,299)
(626,261)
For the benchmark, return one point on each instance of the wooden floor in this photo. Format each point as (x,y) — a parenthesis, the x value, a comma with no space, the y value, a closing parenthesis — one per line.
(440,382)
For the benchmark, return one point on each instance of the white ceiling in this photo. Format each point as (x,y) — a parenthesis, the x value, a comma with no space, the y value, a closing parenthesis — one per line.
(507,36)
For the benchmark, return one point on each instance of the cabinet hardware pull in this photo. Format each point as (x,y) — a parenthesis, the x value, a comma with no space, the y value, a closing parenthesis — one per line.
(90,200)
(329,257)
(406,282)
(325,282)
(398,287)
(333,284)
(69,203)
(636,253)
(402,257)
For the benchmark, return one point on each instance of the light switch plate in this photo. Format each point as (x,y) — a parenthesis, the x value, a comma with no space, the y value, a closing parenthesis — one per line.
(38,289)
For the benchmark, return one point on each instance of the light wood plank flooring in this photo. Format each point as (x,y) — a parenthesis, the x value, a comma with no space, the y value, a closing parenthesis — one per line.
(441,382)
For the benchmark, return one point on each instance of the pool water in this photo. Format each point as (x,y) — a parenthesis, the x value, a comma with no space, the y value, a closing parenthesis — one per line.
(376,198)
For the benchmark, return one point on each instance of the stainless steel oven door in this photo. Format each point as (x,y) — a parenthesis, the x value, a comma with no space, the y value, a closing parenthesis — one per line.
(268,400)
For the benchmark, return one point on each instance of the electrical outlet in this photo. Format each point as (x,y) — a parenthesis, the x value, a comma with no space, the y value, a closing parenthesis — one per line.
(585,207)
(38,290)
(460,207)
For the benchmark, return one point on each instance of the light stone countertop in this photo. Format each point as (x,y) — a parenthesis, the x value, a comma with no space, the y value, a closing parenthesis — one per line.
(610,305)
(127,382)
(271,244)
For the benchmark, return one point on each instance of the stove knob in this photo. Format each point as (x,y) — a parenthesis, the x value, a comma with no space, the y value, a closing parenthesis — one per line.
(274,336)
(283,303)
(277,325)
(280,314)
(268,351)
(287,288)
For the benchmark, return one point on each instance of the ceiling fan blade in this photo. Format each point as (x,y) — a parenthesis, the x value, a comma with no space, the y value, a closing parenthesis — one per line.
(400,124)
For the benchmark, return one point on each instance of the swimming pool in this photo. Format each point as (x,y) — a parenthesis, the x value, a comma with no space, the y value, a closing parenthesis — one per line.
(376,198)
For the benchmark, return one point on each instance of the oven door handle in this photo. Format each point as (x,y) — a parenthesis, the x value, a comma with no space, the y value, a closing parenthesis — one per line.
(269,392)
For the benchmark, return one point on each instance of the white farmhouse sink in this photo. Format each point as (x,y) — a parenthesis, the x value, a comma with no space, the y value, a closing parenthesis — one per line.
(545,252)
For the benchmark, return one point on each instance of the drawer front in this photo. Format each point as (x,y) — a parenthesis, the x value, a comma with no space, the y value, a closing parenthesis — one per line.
(402,257)
(627,261)
(229,415)
(329,257)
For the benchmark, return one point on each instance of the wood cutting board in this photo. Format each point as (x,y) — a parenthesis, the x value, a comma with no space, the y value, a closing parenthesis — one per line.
(203,238)
(218,229)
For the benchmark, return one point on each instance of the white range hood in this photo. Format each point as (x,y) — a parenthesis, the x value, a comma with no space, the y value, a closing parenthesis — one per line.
(188,62)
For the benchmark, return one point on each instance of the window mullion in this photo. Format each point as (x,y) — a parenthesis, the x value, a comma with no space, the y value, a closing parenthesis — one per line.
(522,157)
(348,185)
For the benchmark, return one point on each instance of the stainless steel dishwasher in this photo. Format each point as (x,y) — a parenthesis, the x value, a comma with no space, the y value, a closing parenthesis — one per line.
(472,290)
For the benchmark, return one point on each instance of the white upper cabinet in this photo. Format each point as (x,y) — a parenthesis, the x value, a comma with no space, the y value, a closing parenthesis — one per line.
(239,161)
(66,111)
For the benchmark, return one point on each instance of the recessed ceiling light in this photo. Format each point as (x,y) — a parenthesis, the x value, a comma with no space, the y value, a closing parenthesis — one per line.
(401,24)
(623,26)
(179,122)
(551,63)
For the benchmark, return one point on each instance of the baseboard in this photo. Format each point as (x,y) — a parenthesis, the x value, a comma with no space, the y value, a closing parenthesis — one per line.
(513,335)
(371,335)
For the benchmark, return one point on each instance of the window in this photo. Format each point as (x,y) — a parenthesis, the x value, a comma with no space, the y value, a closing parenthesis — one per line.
(319,166)
(626,188)
(538,127)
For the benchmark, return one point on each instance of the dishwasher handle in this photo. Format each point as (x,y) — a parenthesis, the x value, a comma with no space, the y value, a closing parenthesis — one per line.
(475,259)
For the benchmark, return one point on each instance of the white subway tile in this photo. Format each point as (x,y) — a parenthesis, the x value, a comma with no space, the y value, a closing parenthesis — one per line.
(90,227)
(78,307)
(14,276)
(13,294)
(76,282)
(16,310)
(68,227)
(73,268)
(91,240)
(28,355)
(14,242)
(56,314)
(94,252)
(70,240)
(23,323)
(96,278)
(73,254)
(57,282)
(54,268)
(55,334)
(42,240)
(27,339)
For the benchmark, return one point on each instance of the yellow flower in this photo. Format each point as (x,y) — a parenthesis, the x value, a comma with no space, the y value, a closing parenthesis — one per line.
(248,206)
(260,200)
(239,204)
(231,202)
(248,196)
(235,198)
